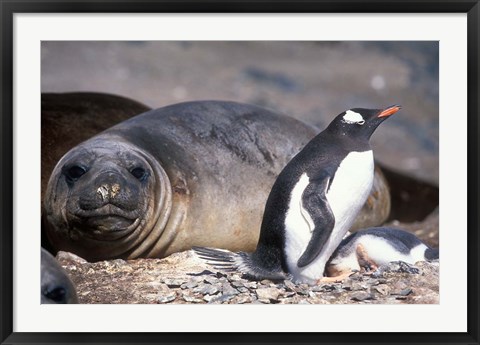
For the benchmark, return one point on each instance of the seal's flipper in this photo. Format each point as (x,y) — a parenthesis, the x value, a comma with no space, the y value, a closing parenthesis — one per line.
(315,205)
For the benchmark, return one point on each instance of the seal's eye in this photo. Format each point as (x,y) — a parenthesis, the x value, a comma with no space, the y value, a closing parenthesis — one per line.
(74,172)
(139,173)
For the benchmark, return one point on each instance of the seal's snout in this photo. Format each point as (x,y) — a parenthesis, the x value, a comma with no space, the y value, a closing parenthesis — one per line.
(106,191)
(108,187)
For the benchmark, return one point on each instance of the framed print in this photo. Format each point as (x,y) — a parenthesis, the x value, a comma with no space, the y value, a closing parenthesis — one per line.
(154,217)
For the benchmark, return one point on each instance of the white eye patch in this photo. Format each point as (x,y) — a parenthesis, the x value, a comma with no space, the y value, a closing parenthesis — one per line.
(353,117)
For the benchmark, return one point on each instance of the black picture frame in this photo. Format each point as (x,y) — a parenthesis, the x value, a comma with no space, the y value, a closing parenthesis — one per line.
(9,8)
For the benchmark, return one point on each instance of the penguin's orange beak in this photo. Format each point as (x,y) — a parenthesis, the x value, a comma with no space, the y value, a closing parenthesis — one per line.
(389,111)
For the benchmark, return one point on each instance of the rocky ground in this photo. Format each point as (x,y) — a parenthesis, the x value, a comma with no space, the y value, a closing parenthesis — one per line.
(184,278)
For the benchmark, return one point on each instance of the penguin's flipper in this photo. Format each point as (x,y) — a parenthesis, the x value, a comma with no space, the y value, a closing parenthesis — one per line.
(316,210)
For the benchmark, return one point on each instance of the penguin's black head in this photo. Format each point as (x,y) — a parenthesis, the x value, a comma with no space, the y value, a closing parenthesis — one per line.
(360,123)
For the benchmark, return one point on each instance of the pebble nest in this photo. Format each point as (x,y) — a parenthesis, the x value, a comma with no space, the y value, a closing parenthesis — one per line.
(183,278)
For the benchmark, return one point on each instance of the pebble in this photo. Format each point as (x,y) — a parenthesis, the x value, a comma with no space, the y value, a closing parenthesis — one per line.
(191,299)
(289,285)
(211,280)
(227,289)
(382,289)
(347,285)
(66,258)
(224,298)
(208,298)
(173,283)
(167,298)
(237,284)
(250,285)
(361,296)
(189,285)
(243,299)
(264,300)
(404,292)
(268,293)
(317,288)
(206,289)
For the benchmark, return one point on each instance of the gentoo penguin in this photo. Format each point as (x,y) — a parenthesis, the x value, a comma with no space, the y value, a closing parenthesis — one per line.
(370,248)
(312,203)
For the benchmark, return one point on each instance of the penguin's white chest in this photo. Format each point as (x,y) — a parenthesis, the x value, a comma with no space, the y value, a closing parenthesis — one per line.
(349,189)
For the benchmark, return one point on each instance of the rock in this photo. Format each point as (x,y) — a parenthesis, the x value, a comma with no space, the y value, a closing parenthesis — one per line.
(206,289)
(173,283)
(382,289)
(243,299)
(289,285)
(238,284)
(208,298)
(250,285)
(169,297)
(191,299)
(264,300)
(211,280)
(66,258)
(189,285)
(361,296)
(268,294)
(227,289)
(405,292)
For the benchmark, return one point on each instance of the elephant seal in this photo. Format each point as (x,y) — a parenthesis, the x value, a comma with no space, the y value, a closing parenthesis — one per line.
(56,286)
(70,118)
(190,174)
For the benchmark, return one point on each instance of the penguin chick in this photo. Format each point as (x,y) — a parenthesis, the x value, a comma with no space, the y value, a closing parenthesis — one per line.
(370,248)
(313,202)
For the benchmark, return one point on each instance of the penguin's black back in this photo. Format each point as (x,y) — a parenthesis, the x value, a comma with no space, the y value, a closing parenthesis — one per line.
(323,154)
(403,241)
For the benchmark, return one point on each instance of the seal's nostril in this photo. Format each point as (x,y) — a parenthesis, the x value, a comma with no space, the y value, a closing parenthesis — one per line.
(114,190)
(103,191)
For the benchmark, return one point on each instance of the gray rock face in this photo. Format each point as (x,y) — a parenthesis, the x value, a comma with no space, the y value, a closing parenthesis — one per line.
(182,278)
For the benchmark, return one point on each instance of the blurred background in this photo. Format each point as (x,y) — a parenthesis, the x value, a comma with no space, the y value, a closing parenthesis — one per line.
(312,81)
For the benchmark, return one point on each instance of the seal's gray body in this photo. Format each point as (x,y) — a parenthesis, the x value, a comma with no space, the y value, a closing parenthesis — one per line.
(209,168)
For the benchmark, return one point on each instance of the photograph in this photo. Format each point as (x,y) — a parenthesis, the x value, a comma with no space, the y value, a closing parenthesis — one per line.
(233,172)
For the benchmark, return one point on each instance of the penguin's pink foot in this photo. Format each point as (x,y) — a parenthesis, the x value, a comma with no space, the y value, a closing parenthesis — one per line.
(336,279)
(366,264)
